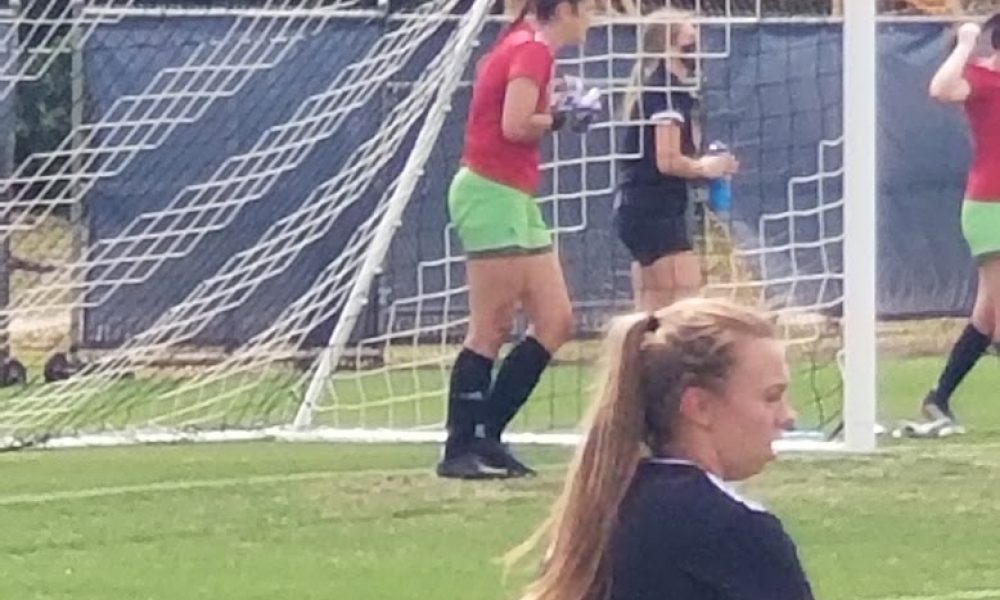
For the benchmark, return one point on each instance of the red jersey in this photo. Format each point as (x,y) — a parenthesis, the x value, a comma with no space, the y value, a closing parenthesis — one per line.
(982,108)
(521,52)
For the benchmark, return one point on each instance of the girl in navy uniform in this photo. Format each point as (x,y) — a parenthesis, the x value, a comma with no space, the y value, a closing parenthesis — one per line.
(692,398)
(651,210)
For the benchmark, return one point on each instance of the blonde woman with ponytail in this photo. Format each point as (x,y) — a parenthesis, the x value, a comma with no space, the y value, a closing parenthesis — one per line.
(692,398)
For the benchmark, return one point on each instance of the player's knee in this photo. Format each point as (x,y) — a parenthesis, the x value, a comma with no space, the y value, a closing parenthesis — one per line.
(687,285)
(556,328)
(985,326)
(992,326)
(487,337)
(657,283)
(654,301)
(984,318)
(502,325)
(482,344)
(567,325)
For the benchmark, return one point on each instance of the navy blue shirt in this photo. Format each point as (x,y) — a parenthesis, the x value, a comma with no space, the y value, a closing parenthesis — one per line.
(645,191)
(684,535)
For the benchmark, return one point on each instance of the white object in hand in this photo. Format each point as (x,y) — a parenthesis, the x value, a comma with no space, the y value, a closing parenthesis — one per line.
(591,99)
(969,33)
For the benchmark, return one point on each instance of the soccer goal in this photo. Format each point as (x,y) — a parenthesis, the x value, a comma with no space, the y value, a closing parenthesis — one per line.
(238,229)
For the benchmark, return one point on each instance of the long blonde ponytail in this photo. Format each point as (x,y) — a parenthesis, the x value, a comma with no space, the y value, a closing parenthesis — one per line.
(649,361)
(574,567)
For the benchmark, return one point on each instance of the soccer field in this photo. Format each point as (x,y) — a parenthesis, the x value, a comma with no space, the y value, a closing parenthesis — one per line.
(236,215)
(273,520)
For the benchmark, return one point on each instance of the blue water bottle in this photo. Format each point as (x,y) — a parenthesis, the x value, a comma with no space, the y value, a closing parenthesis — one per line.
(720,192)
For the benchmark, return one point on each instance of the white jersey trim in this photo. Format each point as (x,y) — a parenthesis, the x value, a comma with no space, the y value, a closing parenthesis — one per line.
(716,481)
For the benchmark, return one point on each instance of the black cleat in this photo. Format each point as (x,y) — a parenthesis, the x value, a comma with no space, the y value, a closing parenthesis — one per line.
(498,455)
(469,465)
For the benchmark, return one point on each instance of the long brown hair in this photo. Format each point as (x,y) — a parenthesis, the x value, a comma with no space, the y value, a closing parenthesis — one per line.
(649,360)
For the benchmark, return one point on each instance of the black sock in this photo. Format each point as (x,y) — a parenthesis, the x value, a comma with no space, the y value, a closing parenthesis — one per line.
(467,395)
(517,377)
(964,354)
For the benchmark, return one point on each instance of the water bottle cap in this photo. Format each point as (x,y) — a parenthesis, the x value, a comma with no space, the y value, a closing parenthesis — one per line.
(717,147)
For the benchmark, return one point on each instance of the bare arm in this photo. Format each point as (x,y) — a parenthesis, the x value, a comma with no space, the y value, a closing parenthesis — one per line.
(948,84)
(670,159)
(520,121)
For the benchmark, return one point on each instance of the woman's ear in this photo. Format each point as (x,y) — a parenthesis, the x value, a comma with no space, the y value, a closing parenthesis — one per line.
(696,406)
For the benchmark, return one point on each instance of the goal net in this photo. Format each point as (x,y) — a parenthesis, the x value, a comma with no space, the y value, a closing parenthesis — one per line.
(238,227)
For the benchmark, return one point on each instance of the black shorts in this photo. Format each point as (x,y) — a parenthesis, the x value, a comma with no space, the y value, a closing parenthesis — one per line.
(650,239)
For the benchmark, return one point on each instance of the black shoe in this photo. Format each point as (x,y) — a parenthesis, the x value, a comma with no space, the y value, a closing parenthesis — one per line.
(498,455)
(469,466)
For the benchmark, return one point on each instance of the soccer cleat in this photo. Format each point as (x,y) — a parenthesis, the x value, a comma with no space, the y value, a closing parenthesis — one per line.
(516,468)
(498,455)
(941,422)
(928,429)
(469,465)
(938,421)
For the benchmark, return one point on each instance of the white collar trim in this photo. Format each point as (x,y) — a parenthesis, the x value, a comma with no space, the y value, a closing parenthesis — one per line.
(716,481)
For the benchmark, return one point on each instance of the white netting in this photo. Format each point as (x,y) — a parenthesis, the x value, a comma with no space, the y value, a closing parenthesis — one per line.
(37,36)
(781,248)
(114,391)
(240,171)
(141,121)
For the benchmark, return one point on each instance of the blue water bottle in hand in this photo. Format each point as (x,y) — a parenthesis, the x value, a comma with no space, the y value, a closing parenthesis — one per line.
(720,193)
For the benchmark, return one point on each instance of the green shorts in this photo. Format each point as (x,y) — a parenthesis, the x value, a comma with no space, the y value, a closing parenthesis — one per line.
(493,219)
(981,228)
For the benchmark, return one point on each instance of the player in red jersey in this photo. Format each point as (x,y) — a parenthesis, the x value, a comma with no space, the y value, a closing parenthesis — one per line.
(510,263)
(974,82)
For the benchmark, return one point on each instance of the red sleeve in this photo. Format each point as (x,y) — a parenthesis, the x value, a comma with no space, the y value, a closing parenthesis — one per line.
(534,61)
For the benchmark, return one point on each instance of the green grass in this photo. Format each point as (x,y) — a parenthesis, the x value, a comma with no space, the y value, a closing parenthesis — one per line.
(311,521)
(406,398)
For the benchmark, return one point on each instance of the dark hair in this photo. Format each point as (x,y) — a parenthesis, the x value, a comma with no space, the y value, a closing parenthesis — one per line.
(543,10)
(992,25)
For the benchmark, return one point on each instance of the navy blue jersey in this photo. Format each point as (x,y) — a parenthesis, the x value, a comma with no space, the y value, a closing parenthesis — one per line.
(684,535)
(644,190)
